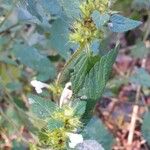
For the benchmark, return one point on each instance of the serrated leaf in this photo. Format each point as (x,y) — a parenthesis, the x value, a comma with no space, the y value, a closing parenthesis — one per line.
(141,77)
(95,81)
(122,24)
(30,57)
(79,107)
(41,107)
(54,124)
(81,69)
(99,19)
(146,127)
(90,80)
(98,76)
(140,50)
(65,74)
(95,130)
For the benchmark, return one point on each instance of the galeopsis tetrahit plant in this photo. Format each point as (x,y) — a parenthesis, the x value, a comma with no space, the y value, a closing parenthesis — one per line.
(64,125)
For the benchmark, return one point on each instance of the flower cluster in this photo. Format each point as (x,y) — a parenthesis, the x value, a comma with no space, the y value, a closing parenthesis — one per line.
(66,115)
(90,5)
(57,138)
(84,30)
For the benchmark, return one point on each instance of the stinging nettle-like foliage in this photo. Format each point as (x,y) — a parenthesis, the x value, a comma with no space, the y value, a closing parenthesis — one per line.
(88,70)
(68,26)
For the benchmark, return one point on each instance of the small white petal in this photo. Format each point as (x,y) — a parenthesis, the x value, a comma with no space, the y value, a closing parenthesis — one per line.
(74,139)
(68,84)
(72,145)
(38,85)
(66,95)
(38,90)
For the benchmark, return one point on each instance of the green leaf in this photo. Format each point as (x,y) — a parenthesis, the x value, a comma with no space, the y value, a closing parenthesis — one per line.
(95,130)
(71,8)
(30,57)
(41,107)
(59,37)
(99,19)
(51,6)
(122,24)
(65,74)
(95,81)
(54,124)
(81,69)
(98,76)
(140,50)
(141,77)
(32,8)
(79,107)
(91,72)
(146,127)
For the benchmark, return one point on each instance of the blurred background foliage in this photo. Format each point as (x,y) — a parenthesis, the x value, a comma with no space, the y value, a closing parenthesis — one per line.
(34,42)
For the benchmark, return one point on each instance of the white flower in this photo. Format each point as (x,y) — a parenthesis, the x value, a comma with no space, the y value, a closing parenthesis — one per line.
(38,85)
(66,94)
(74,139)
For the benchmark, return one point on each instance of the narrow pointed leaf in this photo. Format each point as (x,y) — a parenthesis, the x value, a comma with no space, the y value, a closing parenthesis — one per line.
(122,24)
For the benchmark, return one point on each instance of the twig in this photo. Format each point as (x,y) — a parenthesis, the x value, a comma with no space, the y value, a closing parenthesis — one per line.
(132,124)
(135,110)
(138,93)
